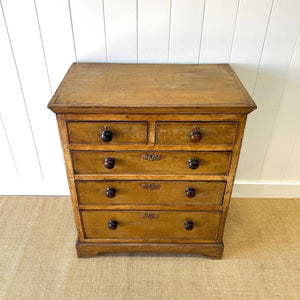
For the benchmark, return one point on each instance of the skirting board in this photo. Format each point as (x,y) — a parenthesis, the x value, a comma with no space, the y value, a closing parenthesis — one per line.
(266,190)
(240,190)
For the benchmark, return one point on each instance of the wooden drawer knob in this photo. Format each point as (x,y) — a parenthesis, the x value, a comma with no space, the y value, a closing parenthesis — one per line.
(189,225)
(195,135)
(109,163)
(190,192)
(193,163)
(106,135)
(112,224)
(110,192)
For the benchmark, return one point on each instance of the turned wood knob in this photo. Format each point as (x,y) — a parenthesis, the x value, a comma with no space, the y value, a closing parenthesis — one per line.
(195,135)
(112,224)
(190,192)
(110,192)
(189,225)
(106,136)
(109,163)
(193,163)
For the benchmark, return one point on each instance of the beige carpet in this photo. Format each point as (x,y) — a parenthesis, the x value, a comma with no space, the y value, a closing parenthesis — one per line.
(38,261)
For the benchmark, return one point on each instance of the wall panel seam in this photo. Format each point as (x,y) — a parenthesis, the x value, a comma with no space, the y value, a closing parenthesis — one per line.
(104,25)
(170,22)
(137,31)
(71,20)
(279,104)
(201,33)
(23,96)
(262,49)
(9,146)
(42,43)
(234,30)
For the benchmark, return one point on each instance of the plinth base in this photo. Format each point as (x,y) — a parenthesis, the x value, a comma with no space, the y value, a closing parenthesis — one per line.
(85,249)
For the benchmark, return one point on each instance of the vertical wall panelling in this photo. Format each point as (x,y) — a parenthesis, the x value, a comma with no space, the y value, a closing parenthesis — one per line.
(276,56)
(40,39)
(57,37)
(185,34)
(8,167)
(250,32)
(121,30)
(153,30)
(249,38)
(14,115)
(28,51)
(287,125)
(88,28)
(218,29)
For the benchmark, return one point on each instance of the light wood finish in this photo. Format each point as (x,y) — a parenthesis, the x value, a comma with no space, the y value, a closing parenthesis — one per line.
(149,226)
(69,170)
(178,133)
(212,250)
(124,88)
(232,172)
(151,192)
(177,130)
(128,162)
(180,116)
(38,259)
(125,207)
(148,177)
(123,132)
(151,146)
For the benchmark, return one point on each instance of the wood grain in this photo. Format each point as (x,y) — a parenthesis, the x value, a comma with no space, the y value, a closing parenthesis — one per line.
(166,176)
(69,170)
(231,175)
(212,250)
(178,133)
(131,162)
(165,193)
(178,116)
(123,132)
(150,146)
(117,88)
(164,225)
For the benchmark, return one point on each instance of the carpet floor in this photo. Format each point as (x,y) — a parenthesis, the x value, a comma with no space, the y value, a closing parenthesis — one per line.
(38,260)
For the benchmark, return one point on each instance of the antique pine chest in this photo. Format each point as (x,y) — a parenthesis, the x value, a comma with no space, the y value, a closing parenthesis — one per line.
(151,153)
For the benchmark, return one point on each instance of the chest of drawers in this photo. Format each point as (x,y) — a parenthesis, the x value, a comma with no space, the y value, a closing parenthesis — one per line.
(151,153)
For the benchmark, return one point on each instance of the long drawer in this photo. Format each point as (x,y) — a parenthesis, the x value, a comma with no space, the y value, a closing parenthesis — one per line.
(151,192)
(156,162)
(148,225)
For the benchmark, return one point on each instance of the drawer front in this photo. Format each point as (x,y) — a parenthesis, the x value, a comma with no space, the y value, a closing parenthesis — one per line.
(150,224)
(156,162)
(151,192)
(195,133)
(121,132)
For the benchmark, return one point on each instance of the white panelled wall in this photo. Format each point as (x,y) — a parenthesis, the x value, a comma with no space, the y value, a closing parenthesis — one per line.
(40,39)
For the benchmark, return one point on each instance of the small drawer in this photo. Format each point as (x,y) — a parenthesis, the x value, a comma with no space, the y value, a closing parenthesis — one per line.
(107,133)
(150,225)
(155,162)
(151,192)
(195,133)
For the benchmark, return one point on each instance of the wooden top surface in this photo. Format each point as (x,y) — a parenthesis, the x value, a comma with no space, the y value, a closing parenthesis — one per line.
(150,88)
